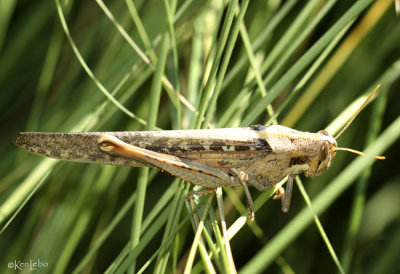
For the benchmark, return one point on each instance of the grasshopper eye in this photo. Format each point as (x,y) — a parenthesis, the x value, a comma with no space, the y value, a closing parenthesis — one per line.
(324,132)
(323,153)
(322,158)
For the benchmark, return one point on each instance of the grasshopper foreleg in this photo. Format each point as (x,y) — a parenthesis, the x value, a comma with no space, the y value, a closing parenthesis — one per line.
(285,195)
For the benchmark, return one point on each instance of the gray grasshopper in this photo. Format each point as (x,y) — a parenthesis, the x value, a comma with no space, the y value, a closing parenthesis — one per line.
(259,156)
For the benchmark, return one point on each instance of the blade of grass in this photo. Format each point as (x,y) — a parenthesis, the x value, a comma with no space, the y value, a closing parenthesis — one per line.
(170,16)
(225,61)
(360,194)
(320,227)
(173,219)
(231,268)
(142,31)
(172,92)
(89,71)
(155,94)
(310,73)
(291,39)
(306,59)
(147,237)
(261,39)
(337,60)
(208,89)
(196,240)
(15,202)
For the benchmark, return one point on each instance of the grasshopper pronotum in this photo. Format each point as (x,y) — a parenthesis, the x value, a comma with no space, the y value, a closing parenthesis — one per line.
(260,156)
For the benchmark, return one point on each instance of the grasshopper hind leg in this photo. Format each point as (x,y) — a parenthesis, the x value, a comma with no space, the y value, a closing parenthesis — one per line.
(187,169)
(184,168)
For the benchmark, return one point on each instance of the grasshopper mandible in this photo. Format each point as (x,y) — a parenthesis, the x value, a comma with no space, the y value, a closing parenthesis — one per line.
(260,156)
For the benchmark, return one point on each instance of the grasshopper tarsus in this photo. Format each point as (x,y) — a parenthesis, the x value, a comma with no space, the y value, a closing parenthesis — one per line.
(280,192)
(252,217)
(287,196)
(199,193)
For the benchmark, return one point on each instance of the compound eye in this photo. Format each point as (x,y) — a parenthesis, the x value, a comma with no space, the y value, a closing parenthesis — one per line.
(322,154)
(324,132)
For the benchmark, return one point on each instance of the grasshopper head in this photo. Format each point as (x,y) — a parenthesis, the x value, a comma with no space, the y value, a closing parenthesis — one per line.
(328,146)
(326,153)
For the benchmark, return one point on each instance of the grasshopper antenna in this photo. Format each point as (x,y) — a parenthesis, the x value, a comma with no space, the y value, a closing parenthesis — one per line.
(357,152)
(351,121)
(358,112)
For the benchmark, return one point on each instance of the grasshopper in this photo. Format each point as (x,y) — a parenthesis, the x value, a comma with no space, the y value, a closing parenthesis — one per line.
(259,156)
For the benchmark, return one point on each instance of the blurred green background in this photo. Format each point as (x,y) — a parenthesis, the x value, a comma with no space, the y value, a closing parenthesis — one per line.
(66,66)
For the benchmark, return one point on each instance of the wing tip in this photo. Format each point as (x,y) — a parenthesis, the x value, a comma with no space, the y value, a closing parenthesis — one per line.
(20,140)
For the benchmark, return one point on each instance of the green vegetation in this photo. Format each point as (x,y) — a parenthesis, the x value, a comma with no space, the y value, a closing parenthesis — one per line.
(143,65)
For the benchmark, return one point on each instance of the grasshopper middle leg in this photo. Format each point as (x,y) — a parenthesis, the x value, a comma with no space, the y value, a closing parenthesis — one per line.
(243,179)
